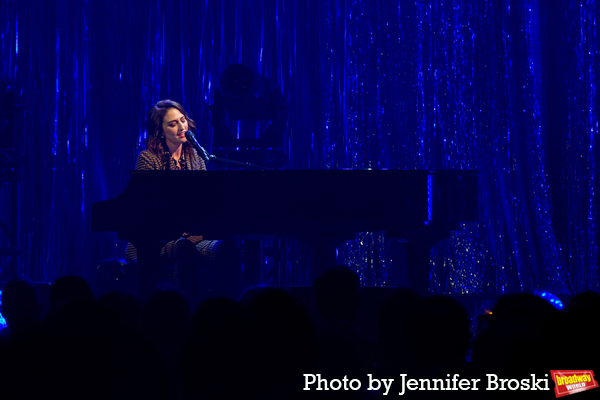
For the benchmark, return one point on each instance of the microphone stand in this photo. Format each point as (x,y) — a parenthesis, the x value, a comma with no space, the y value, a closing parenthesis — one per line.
(209,157)
(243,164)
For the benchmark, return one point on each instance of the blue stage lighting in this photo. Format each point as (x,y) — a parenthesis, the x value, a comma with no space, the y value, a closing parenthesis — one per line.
(2,320)
(551,298)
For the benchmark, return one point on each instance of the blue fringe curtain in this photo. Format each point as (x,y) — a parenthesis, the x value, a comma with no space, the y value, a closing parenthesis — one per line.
(503,87)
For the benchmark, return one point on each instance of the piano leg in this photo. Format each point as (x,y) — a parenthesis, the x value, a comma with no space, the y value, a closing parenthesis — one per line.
(418,258)
(252,263)
(418,254)
(148,265)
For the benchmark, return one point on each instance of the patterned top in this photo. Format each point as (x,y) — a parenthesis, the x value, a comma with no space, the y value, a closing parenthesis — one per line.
(148,161)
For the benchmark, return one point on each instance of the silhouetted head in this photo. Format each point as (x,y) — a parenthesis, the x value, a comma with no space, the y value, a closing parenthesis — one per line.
(166,312)
(439,331)
(127,308)
(393,320)
(20,302)
(221,322)
(278,322)
(337,294)
(523,314)
(218,349)
(70,289)
(520,335)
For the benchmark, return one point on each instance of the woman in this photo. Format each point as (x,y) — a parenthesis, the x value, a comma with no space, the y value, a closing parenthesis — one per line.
(168,149)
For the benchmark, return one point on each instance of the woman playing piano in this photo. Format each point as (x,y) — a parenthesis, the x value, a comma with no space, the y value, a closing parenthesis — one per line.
(168,149)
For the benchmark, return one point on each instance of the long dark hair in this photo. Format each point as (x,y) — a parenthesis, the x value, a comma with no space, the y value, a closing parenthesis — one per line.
(156,142)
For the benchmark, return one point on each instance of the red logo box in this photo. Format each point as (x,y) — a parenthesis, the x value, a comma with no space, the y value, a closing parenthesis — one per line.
(572,381)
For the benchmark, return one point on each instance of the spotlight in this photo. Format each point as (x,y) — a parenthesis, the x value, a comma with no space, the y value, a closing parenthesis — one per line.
(550,298)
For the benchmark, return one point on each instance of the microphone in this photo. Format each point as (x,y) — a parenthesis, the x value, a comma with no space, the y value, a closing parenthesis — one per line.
(201,152)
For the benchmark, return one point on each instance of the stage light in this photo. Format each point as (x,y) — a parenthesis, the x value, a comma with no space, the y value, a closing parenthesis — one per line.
(550,298)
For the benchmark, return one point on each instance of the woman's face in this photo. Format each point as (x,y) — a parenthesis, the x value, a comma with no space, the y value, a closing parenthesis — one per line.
(174,126)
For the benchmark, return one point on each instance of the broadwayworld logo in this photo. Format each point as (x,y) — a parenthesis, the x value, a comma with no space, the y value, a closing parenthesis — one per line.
(569,382)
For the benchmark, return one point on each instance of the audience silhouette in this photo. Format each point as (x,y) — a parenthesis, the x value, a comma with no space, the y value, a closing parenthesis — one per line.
(265,345)
(21,308)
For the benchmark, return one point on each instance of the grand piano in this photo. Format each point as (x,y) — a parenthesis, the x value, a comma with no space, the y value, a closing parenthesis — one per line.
(323,207)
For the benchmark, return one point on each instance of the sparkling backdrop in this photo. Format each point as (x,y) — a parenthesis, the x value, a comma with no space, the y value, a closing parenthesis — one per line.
(578,247)
(369,84)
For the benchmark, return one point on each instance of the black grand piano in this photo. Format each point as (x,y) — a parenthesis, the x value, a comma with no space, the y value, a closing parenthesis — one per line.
(323,207)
